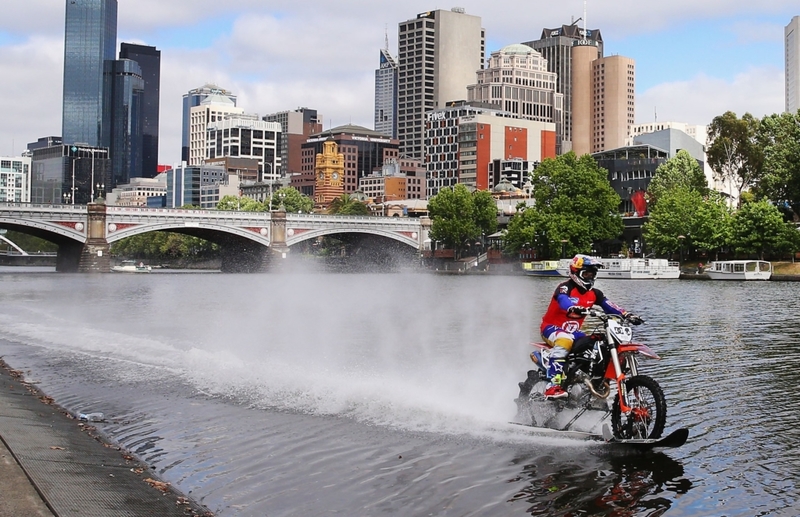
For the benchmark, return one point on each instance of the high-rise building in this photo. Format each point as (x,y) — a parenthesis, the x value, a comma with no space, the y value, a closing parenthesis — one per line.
(386,95)
(439,53)
(791,35)
(556,46)
(247,136)
(193,99)
(517,81)
(122,120)
(613,102)
(213,108)
(149,59)
(66,174)
(296,127)
(90,38)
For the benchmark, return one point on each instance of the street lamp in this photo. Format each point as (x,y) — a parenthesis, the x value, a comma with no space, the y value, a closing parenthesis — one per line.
(680,240)
(564,248)
(91,150)
(72,190)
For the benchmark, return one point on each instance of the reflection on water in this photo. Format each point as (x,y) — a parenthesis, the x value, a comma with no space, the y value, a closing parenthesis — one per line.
(369,394)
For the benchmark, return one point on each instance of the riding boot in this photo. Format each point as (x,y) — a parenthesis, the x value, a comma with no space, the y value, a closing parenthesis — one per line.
(555,374)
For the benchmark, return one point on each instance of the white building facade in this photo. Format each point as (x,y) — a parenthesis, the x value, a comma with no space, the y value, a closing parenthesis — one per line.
(516,80)
(247,136)
(213,108)
(15,179)
(138,190)
(792,51)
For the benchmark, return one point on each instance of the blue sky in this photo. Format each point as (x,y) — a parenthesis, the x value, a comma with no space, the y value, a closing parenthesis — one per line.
(694,60)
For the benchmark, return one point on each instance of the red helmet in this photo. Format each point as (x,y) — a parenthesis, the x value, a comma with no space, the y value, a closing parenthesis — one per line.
(583,270)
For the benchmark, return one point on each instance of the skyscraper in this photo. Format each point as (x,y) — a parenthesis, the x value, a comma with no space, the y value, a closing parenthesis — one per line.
(556,46)
(123,95)
(149,59)
(191,100)
(792,49)
(90,38)
(386,95)
(439,53)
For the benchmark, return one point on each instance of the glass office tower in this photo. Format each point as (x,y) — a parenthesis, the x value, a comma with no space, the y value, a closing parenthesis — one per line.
(149,59)
(122,121)
(90,38)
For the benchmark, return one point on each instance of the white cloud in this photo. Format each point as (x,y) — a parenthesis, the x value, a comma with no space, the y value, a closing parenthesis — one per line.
(759,91)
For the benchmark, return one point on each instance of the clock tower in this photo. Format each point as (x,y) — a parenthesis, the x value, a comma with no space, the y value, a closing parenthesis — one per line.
(329,175)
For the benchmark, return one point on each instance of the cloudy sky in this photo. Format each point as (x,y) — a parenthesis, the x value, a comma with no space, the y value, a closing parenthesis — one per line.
(695,59)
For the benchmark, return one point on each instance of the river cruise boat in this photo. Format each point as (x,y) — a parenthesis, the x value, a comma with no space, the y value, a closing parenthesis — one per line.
(130,266)
(632,269)
(739,270)
(541,268)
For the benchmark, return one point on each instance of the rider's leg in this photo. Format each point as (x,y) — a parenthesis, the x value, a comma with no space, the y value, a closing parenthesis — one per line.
(562,344)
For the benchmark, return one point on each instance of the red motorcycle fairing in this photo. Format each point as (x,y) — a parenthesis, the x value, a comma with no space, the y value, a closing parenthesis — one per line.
(639,348)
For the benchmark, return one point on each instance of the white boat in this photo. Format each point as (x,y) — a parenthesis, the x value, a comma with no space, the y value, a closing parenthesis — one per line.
(739,270)
(130,266)
(541,268)
(632,269)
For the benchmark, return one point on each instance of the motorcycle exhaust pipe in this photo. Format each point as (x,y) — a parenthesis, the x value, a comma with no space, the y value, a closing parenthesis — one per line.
(605,393)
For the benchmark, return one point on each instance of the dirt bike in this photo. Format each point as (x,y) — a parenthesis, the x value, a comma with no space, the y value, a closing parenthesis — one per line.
(602,363)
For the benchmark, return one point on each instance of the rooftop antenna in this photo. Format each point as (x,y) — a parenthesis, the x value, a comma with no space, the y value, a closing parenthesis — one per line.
(655,113)
(584,21)
(386,34)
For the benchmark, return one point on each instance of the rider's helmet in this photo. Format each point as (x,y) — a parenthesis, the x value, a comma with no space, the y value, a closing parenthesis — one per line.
(583,270)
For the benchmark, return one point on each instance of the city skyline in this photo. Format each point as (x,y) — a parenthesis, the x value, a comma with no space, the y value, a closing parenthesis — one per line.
(693,62)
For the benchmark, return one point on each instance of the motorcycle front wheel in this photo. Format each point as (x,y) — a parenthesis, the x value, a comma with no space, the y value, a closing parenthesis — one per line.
(648,414)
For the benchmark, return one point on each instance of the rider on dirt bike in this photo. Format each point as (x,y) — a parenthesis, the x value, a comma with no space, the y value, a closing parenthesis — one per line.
(562,322)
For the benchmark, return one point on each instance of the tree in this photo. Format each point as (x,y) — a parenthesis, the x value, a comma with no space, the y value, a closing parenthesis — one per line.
(293,201)
(759,227)
(573,202)
(242,204)
(346,205)
(679,171)
(669,226)
(458,216)
(712,223)
(779,135)
(734,153)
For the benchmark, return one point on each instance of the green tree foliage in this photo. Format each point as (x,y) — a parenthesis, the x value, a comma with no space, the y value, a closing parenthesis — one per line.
(759,227)
(574,202)
(242,204)
(780,183)
(734,152)
(679,171)
(293,201)
(346,205)
(29,243)
(164,246)
(670,223)
(683,217)
(459,216)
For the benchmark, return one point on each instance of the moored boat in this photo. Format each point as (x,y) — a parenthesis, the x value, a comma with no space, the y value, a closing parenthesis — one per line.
(541,268)
(633,269)
(739,270)
(130,266)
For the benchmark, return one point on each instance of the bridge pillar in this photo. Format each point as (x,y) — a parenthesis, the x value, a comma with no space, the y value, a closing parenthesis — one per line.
(424,231)
(277,241)
(95,256)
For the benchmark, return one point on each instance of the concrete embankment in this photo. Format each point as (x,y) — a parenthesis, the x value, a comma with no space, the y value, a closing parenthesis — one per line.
(54,464)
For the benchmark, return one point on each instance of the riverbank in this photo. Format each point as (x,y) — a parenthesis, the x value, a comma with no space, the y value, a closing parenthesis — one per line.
(55,464)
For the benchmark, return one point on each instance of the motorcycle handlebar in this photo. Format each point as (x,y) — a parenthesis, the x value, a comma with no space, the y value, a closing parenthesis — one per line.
(603,316)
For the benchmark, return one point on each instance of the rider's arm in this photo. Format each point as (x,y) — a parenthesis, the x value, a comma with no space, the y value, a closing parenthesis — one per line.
(563,301)
(608,306)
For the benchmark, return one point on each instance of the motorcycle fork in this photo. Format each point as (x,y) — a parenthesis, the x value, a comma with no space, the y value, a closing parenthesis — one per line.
(615,373)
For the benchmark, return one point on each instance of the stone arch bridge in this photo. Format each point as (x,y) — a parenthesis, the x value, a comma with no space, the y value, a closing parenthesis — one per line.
(249,241)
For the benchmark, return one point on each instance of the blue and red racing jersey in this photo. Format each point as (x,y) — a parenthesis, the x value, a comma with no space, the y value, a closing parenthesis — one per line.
(567,295)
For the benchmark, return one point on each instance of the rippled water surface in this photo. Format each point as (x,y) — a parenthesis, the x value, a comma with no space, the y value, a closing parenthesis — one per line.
(359,394)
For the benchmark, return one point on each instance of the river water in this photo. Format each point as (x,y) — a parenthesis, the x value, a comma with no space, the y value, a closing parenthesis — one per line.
(368,394)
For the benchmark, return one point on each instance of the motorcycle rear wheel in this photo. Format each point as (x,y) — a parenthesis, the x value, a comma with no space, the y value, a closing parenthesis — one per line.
(648,414)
